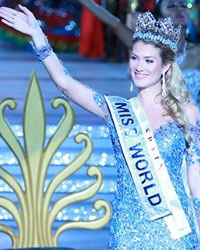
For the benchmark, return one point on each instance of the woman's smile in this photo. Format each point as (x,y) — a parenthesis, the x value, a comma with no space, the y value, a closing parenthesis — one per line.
(140,76)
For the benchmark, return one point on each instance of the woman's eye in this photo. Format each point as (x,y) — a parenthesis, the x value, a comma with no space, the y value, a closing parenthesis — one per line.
(133,57)
(149,61)
(183,5)
(171,6)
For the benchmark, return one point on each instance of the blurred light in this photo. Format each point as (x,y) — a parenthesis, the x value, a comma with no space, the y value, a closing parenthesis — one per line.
(70,26)
(134,5)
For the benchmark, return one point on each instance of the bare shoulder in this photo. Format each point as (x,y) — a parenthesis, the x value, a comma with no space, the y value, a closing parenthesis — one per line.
(192,112)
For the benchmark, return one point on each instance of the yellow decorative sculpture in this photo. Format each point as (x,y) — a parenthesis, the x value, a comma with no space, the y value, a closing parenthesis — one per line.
(35,217)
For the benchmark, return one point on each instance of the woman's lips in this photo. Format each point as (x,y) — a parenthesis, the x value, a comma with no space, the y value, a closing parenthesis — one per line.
(140,76)
(180,16)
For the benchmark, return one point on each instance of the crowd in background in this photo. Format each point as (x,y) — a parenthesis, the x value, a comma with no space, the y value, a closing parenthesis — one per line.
(105,43)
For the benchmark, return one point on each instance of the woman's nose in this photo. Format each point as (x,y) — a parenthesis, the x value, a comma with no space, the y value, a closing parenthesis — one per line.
(180,7)
(139,66)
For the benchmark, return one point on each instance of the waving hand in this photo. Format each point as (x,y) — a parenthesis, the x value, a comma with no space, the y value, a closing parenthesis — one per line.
(22,21)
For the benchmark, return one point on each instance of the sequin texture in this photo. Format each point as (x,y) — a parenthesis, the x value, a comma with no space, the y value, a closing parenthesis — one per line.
(130,229)
(197,205)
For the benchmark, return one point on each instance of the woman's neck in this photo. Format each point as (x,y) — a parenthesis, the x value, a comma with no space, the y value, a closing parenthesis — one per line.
(150,96)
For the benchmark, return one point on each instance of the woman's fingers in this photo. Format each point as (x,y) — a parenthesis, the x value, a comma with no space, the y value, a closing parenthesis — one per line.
(9,10)
(7,17)
(25,10)
(7,23)
(7,13)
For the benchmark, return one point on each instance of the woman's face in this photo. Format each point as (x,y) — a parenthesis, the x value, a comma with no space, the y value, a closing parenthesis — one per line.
(145,65)
(177,10)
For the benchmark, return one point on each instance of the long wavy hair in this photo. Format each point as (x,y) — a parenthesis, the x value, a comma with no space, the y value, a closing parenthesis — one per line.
(177,95)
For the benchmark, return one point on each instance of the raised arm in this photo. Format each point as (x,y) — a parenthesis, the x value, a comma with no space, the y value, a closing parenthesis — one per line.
(25,22)
(121,31)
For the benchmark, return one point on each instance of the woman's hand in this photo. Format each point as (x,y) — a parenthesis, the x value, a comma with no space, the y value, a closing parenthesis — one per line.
(22,21)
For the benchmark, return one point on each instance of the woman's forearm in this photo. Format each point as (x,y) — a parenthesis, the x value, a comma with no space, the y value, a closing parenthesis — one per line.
(194,183)
(122,31)
(124,34)
(52,64)
(39,39)
(70,87)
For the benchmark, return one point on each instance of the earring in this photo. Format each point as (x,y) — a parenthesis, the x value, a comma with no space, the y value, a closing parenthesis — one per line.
(164,87)
(131,86)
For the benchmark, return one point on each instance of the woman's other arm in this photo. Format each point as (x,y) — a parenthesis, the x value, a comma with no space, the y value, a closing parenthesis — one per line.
(194,155)
(25,22)
(121,31)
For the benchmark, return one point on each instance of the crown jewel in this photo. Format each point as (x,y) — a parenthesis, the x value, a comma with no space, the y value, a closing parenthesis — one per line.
(161,31)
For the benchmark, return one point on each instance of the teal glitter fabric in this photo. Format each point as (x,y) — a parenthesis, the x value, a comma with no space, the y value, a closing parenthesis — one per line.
(130,229)
(197,205)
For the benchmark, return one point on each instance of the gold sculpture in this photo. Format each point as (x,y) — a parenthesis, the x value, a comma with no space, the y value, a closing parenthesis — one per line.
(34,217)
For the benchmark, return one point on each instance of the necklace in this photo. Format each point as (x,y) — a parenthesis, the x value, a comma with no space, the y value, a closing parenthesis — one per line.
(181,58)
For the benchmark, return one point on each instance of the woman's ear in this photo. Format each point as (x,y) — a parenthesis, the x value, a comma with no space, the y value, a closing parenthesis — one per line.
(166,67)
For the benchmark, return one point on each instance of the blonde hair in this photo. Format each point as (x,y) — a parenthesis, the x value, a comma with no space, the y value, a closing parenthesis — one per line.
(176,98)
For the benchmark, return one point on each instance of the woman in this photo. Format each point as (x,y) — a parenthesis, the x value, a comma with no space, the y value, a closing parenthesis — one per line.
(155,137)
(188,56)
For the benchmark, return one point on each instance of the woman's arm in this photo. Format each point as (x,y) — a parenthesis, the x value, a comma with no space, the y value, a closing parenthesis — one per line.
(121,31)
(25,22)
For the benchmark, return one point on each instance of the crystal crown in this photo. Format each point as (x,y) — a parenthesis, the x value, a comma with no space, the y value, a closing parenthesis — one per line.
(158,31)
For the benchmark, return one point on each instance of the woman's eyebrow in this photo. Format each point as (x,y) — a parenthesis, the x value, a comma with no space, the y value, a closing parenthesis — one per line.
(150,57)
(144,57)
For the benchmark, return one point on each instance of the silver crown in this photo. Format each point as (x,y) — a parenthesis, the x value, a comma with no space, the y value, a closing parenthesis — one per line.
(158,31)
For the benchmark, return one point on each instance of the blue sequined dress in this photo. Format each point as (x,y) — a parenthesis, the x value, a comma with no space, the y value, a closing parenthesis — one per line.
(129,227)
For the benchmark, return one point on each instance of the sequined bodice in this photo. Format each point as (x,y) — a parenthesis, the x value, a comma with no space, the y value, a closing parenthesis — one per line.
(171,144)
